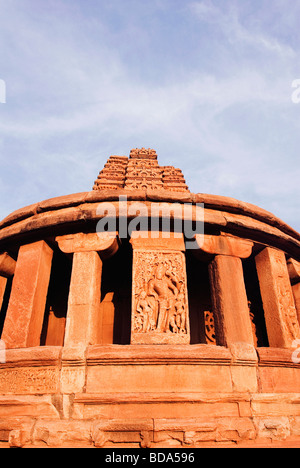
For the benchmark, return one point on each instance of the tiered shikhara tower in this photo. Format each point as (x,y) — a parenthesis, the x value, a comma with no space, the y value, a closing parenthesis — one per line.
(140,172)
(138,340)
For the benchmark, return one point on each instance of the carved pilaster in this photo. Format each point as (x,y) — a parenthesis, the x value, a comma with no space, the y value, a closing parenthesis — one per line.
(294,272)
(278,301)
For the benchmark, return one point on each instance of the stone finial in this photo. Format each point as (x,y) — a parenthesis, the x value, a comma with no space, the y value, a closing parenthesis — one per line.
(143,153)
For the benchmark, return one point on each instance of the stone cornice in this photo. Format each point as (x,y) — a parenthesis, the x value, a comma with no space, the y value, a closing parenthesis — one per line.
(246,220)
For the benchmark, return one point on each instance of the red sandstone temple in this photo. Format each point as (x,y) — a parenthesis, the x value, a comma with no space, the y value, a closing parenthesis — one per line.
(148,338)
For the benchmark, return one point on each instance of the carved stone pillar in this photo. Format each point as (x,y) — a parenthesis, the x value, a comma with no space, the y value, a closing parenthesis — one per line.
(278,301)
(7,265)
(25,313)
(294,272)
(229,298)
(83,325)
(160,312)
(3,282)
(7,269)
(296,293)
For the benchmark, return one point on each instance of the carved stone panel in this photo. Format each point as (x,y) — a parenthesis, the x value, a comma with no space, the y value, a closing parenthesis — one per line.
(210,333)
(159,304)
(277,295)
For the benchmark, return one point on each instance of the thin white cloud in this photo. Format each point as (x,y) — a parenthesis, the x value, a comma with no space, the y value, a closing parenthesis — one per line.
(228,21)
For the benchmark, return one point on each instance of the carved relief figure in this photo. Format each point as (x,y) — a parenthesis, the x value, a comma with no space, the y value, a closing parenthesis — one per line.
(288,311)
(160,304)
(145,317)
(165,291)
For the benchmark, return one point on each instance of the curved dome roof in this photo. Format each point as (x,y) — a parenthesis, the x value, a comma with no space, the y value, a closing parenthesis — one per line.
(139,177)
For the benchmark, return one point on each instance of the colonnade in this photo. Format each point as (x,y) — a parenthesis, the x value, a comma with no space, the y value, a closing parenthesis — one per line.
(279,283)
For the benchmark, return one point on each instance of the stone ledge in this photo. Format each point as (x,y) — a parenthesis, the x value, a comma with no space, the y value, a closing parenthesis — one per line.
(274,404)
(158,405)
(161,397)
(157,354)
(33,406)
(276,357)
(32,357)
(238,354)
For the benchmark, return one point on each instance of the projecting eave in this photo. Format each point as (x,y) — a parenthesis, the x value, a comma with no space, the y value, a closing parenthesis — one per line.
(224,213)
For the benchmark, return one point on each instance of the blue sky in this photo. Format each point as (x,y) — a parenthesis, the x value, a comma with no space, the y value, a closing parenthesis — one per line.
(206,83)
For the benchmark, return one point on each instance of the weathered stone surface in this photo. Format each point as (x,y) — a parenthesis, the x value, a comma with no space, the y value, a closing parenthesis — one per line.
(51,434)
(30,371)
(73,371)
(65,201)
(15,406)
(162,378)
(274,428)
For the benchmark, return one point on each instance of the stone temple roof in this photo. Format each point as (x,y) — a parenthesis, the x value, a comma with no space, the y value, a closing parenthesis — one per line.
(140,171)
